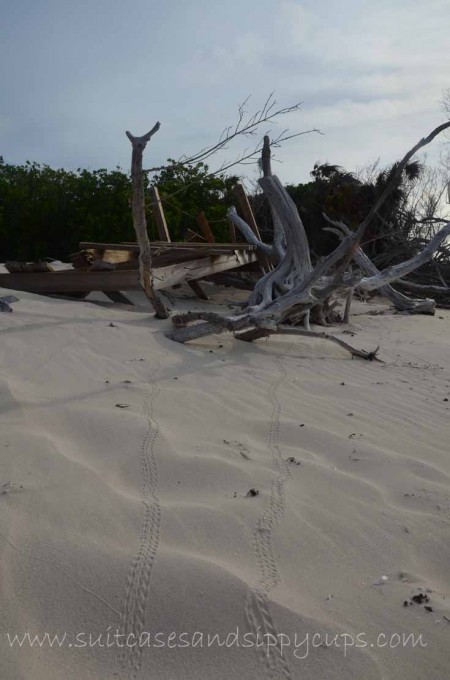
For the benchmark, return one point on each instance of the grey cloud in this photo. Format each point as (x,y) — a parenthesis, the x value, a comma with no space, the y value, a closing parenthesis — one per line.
(78,74)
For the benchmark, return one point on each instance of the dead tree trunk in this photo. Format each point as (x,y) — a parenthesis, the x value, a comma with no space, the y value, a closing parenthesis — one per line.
(140,222)
(290,247)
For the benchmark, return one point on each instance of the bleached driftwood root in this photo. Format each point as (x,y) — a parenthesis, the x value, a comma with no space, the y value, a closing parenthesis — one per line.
(401,302)
(216,324)
(255,334)
(299,299)
(423,288)
(284,296)
(398,271)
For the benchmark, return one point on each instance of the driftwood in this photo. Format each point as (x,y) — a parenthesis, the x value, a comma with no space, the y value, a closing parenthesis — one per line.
(422,288)
(255,334)
(140,222)
(287,293)
(361,353)
(217,324)
(401,302)
(398,271)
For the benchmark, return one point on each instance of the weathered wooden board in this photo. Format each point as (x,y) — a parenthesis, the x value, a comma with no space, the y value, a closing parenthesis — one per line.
(205,227)
(164,277)
(113,255)
(126,255)
(198,290)
(118,297)
(72,281)
(158,215)
(76,280)
(189,245)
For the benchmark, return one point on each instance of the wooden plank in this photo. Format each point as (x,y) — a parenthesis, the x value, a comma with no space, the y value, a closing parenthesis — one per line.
(113,255)
(204,227)
(158,215)
(160,258)
(76,280)
(128,247)
(198,290)
(164,277)
(117,296)
(204,246)
(73,281)
(133,247)
(121,259)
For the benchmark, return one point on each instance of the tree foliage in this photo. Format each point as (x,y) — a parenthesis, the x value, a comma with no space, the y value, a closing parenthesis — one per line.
(46,212)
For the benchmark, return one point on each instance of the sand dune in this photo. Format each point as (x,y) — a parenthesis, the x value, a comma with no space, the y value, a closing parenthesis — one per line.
(136,517)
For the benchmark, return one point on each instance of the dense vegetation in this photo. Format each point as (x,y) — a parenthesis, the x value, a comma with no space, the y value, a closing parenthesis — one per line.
(344,196)
(46,212)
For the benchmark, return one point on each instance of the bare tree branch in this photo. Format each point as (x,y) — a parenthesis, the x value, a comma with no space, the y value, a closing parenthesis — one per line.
(248,233)
(398,271)
(400,301)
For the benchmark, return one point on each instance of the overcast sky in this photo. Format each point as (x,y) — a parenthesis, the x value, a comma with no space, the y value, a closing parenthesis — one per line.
(77,73)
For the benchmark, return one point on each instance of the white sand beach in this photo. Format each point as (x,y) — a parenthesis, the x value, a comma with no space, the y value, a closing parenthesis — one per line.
(125,464)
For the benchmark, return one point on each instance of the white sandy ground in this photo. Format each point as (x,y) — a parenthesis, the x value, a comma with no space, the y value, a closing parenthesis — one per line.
(138,518)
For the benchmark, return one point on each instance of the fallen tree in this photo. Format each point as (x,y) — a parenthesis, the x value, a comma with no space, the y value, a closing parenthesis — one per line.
(283,297)
(401,302)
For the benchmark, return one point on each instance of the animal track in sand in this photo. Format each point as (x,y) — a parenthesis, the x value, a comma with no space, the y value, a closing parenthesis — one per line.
(272,663)
(138,581)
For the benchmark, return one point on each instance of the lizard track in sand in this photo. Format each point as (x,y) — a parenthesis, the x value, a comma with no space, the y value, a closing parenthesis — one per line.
(138,581)
(272,665)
